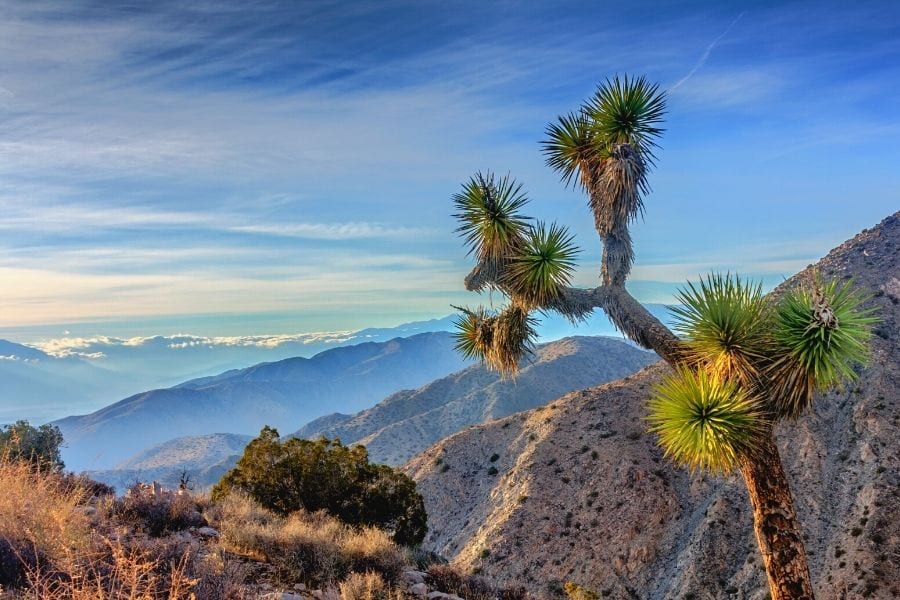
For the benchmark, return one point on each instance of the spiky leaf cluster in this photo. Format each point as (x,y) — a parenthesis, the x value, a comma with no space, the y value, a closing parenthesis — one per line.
(488,212)
(572,150)
(474,332)
(606,146)
(705,421)
(537,273)
(821,332)
(529,263)
(500,340)
(627,111)
(722,320)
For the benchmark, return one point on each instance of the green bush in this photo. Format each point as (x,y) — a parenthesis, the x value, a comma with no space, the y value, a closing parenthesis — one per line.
(37,445)
(326,475)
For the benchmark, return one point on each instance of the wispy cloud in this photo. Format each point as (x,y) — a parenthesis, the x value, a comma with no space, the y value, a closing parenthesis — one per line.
(222,157)
(705,56)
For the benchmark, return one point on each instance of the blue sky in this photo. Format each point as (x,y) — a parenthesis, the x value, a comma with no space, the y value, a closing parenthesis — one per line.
(235,168)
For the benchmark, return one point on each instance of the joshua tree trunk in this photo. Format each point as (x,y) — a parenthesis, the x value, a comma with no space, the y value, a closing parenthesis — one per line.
(775,522)
(618,257)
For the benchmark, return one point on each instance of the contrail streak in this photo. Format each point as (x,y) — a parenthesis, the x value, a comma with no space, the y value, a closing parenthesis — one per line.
(706,53)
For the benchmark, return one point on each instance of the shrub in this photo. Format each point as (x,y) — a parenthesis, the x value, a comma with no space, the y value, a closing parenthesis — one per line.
(368,586)
(157,513)
(446,579)
(326,475)
(370,549)
(38,446)
(38,512)
(311,548)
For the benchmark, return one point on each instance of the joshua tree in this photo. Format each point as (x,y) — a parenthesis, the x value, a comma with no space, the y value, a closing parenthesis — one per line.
(742,361)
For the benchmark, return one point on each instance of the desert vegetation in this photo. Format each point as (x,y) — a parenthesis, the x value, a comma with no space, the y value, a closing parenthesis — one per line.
(64,536)
(741,361)
(297,474)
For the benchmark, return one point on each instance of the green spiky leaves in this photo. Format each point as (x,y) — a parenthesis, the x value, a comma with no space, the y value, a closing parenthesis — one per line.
(723,322)
(529,263)
(821,332)
(606,146)
(500,340)
(704,421)
(544,265)
(488,212)
(627,111)
(571,149)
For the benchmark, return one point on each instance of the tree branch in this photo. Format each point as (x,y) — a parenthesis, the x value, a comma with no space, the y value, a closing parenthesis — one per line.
(626,313)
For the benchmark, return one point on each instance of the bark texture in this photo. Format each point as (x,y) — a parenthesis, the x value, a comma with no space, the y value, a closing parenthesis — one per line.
(618,256)
(775,524)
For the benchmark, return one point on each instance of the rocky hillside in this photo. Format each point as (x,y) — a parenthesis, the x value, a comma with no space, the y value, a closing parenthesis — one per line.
(283,394)
(578,491)
(407,422)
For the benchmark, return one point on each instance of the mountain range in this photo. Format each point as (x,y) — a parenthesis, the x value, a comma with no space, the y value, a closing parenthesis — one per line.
(579,491)
(407,422)
(56,377)
(284,394)
(65,376)
(36,385)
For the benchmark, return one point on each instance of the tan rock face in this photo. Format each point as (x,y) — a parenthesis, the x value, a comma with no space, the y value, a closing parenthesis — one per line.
(581,493)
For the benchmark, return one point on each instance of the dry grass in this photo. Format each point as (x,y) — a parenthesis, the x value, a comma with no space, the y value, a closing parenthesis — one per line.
(364,586)
(59,542)
(371,549)
(309,548)
(41,514)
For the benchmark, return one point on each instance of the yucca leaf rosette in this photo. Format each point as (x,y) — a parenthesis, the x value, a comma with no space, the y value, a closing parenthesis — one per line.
(822,331)
(500,340)
(536,274)
(514,334)
(722,320)
(627,110)
(703,421)
(571,150)
(474,332)
(488,212)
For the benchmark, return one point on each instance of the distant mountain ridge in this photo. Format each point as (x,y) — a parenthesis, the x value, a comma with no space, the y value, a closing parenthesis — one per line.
(42,382)
(283,394)
(202,459)
(408,421)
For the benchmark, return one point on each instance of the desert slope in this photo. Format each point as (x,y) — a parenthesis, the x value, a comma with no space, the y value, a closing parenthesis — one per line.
(409,421)
(583,494)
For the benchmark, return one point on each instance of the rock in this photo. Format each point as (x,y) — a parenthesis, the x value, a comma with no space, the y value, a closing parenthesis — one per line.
(412,577)
(442,596)
(300,587)
(281,596)
(87,511)
(207,532)
(418,589)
